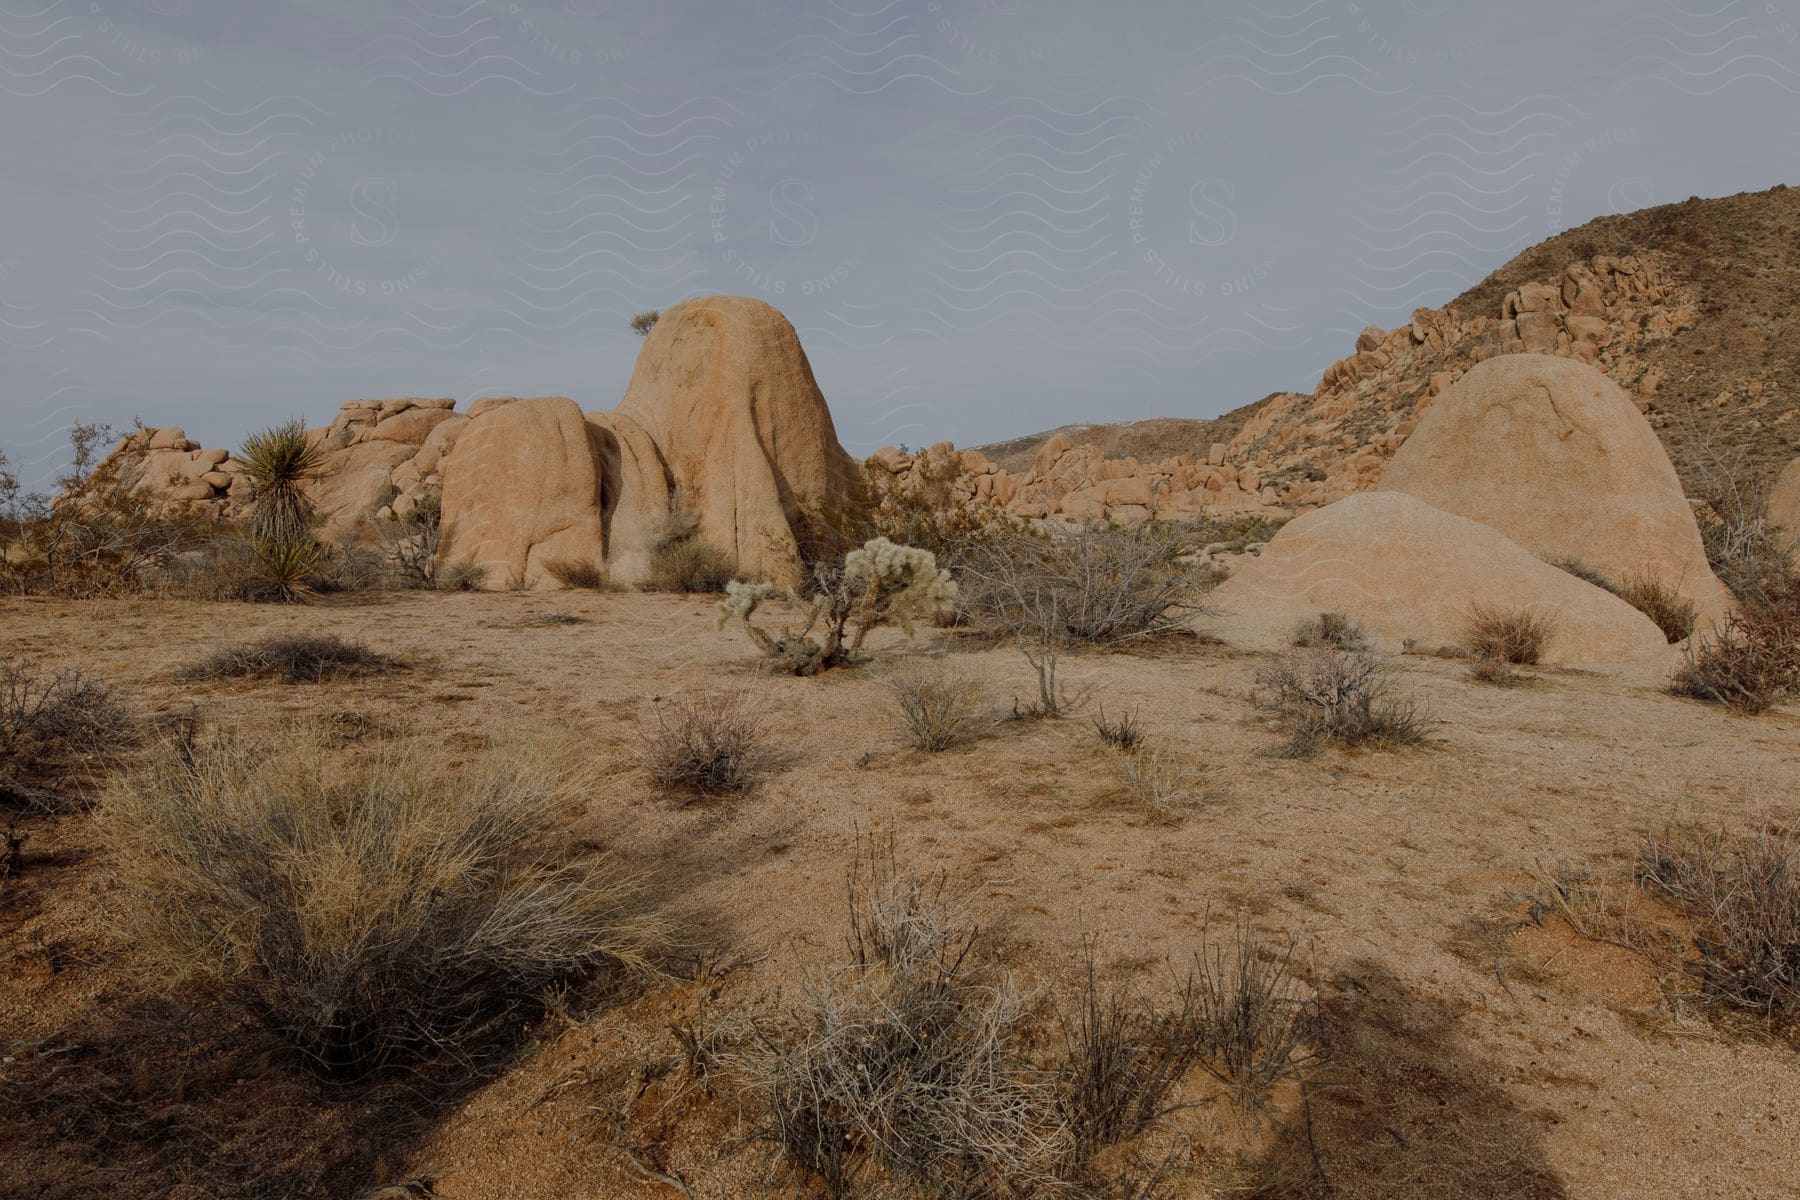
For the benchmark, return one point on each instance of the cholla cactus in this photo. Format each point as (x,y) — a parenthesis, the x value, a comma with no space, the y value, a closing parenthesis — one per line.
(879,584)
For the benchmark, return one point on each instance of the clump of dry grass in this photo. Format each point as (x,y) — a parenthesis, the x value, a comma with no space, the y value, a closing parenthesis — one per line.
(1156,783)
(459,577)
(1511,636)
(1672,613)
(294,658)
(1123,734)
(1496,672)
(709,746)
(905,1062)
(1331,629)
(681,561)
(939,705)
(1744,891)
(580,573)
(1344,697)
(369,908)
(1584,572)
(52,722)
(1751,662)
(1251,1020)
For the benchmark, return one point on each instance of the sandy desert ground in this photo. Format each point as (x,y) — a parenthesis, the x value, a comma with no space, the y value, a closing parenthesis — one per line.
(1462,1061)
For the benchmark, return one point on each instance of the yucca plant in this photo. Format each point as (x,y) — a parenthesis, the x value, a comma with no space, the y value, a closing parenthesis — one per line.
(284,568)
(278,462)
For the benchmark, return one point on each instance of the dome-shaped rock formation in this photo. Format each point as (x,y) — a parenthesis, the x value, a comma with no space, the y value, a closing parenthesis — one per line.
(725,392)
(1403,570)
(1552,454)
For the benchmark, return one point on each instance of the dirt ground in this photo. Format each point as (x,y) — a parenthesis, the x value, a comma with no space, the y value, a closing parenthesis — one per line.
(1462,1063)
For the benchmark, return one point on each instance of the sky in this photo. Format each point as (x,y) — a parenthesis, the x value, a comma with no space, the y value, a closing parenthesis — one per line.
(985,217)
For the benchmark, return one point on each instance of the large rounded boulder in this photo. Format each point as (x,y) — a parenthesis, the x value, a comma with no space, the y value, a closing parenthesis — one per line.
(1405,571)
(522,489)
(724,391)
(1552,454)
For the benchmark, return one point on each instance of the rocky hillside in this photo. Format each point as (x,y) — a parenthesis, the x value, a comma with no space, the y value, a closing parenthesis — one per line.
(1694,308)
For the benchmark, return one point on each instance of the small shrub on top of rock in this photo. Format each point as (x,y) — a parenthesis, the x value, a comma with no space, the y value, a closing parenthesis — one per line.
(368,907)
(294,658)
(878,584)
(1509,636)
(1347,697)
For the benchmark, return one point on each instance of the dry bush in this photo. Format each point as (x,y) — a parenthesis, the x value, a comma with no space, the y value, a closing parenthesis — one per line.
(1584,572)
(1341,696)
(53,723)
(680,561)
(1751,662)
(1087,585)
(939,705)
(1745,893)
(1672,612)
(1330,629)
(1758,562)
(583,574)
(1497,672)
(711,746)
(1512,636)
(460,577)
(1122,1062)
(1156,783)
(96,538)
(367,909)
(1250,1019)
(412,541)
(1123,734)
(905,1063)
(294,658)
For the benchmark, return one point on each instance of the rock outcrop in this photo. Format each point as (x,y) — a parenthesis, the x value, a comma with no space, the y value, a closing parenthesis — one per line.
(1551,453)
(723,389)
(521,489)
(1406,571)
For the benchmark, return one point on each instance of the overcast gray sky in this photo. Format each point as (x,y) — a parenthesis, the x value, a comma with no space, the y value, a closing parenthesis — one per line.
(985,217)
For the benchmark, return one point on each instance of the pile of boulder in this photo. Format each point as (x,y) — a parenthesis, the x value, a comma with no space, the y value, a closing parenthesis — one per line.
(1077,483)
(1527,466)
(723,420)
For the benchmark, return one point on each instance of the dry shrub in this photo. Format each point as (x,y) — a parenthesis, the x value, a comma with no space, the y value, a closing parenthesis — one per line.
(680,561)
(1122,1061)
(1751,662)
(1512,636)
(1495,671)
(1669,609)
(1744,891)
(367,909)
(710,746)
(905,1063)
(1342,696)
(939,705)
(53,723)
(294,658)
(1123,734)
(460,577)
(1087,585)
(1250,1018)
(581,574)
(1331,629)
(1584,572)
(1156,783)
